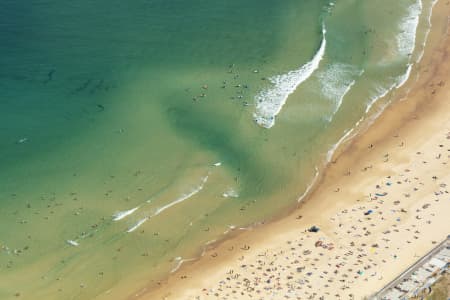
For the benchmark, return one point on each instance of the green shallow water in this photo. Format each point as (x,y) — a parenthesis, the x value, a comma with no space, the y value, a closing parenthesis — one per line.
(101,111)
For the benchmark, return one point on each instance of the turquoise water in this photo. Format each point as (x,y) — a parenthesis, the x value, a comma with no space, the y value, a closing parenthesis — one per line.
(131,132)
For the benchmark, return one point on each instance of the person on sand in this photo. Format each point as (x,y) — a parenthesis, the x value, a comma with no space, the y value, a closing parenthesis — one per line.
(245,247)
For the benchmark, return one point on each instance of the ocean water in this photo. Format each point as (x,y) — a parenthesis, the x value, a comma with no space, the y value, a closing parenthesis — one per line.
(134,133)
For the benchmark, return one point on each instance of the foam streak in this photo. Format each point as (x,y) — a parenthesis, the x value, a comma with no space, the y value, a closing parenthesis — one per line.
(139,223)
(182,198)
(406,40)
(269,102)
(123,214)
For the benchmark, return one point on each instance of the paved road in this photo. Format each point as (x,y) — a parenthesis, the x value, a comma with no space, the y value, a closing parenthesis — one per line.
(407,273)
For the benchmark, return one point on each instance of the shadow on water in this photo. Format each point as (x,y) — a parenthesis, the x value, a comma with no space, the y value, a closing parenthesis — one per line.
(215,132)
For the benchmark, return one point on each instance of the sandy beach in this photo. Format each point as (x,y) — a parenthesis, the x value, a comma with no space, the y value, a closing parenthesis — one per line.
(381,204)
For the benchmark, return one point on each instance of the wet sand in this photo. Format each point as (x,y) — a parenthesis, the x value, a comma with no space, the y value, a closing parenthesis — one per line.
(382,203)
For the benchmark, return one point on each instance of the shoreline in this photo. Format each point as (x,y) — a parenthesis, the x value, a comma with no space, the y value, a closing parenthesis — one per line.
(350,152)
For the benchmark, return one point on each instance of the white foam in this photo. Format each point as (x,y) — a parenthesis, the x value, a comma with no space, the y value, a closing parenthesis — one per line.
(346,135)
(425,40)
(73,243)
(230,193)
(176,267)
(122,214)
(246,228)
(406,39)
(167,206)
(139,223)
(210,242)
(381,92)
(378,112)
(401,80)
(22,140)
(230,228)
(269,102)
(308,189)
(341,98)
(183,197)
(335,82)
(180,261)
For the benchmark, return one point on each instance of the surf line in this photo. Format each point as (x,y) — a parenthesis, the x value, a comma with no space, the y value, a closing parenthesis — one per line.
(340,91)
(269,102)
(406,40)
(169,205)
(122,214)
(399,81)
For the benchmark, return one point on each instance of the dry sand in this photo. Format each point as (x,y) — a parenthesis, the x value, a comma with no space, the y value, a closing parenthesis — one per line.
(383,203)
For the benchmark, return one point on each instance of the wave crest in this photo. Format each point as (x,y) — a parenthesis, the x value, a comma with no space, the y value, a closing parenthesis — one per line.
(406,40)
(167,206)
(269,102)
(335,82)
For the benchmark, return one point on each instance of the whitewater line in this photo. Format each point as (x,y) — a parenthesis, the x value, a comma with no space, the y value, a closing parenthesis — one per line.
(383,93)
(406,44)
(269,102)
(340,100)
(139,223)
(169,205)
(425,40)
(406,40)
(122,214)
(230,192)
(180,261)
(330,152)
(309,187)
(73,243)
(182,198)
(404,78)
(399,82)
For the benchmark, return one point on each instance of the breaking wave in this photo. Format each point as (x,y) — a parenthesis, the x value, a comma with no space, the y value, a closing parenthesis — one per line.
(333,148)
(167,206)
(406,39)
(310,186)
(381,92)
(182,198)
(139,223)
(429,25)
(230,193)
(336,81)
(269,102)
(122,214)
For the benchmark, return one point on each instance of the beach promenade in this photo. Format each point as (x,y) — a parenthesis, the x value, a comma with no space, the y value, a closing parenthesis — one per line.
(420,276)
